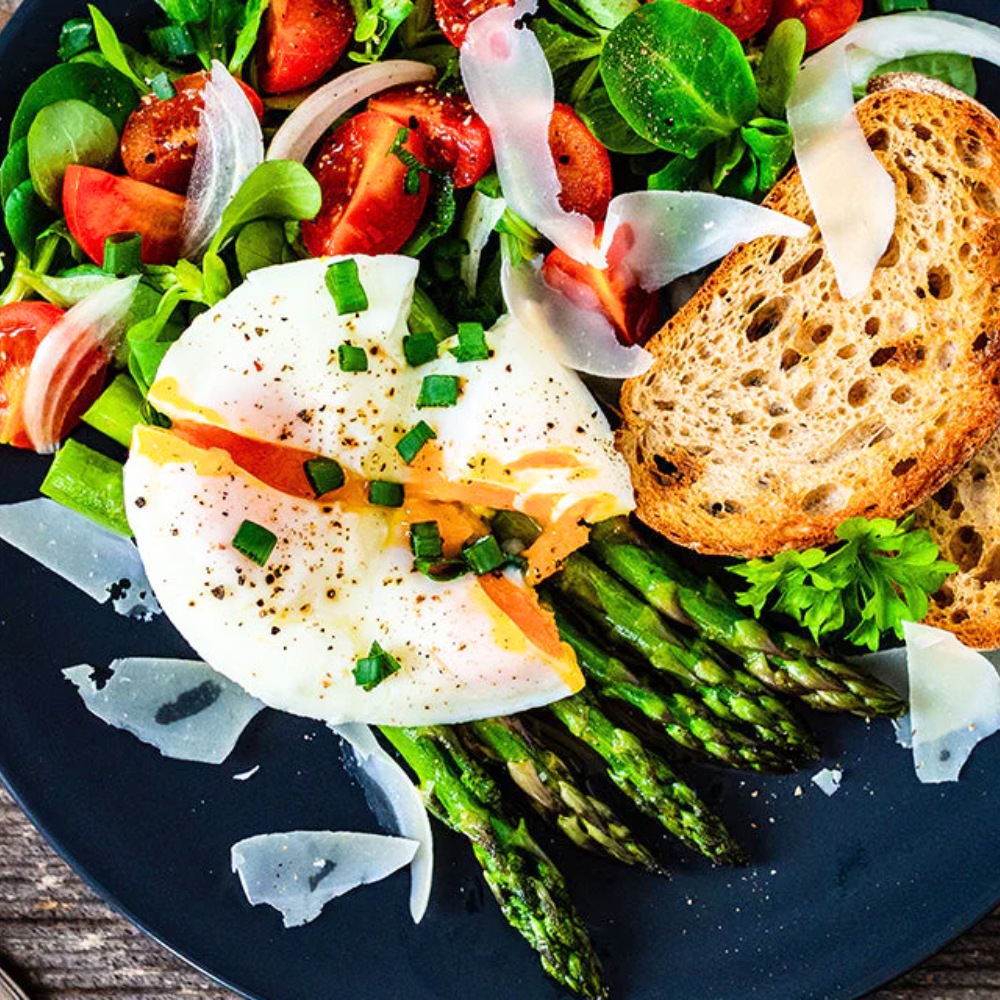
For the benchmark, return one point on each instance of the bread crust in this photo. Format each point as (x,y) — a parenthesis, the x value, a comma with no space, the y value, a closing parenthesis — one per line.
(775,410)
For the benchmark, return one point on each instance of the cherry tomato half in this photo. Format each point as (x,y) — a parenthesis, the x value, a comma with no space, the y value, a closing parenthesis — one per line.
(455,16)
(161,137)
(366,205)
(743,18)
(582,163)
(631,310)
(457,138)
(301,41)
(23,326)
(825,20)
(98,205)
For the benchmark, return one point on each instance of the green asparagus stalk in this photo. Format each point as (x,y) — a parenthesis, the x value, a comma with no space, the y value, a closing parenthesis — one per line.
(684,718)
(782,661)
(731,694)
(648,780)
(546,779)
(529,888)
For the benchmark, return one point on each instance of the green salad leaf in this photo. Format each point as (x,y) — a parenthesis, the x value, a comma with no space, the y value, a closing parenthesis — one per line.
(607,124)
(878,577)
(262,243)
(678,77)
(101,87)
(112,49)
(562,47)
(15,168)
(953,68)
(779,66)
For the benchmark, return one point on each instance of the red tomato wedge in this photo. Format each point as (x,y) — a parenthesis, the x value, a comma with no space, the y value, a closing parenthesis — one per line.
(23,326)
(742,17)
(631,310)
(98,205)
(161,137)
(825,20)
(582,163)
(301,41)
(455,16)
(457,138)
(366,208)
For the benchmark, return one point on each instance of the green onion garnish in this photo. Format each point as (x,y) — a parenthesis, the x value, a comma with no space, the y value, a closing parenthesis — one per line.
(162,86)
(375,668)
(420,348)
(76,36)
(255,542)
(352,359)
(172,43)
(411,184)
(439,391)
(123,253)
(413,440)
(383,493)
(425,541)
(472,344)
(484,556)
(344,284)
(324,475)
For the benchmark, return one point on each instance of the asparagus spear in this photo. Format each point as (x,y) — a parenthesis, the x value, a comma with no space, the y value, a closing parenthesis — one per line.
(731,694)
(543,775)
(780,660)
(683,717)
(648,780)
(527,885)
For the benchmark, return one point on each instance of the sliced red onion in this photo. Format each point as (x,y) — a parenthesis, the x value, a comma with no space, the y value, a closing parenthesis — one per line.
(182,707)
(299,873)
(397,805)
(510,85)
(851,194)
(230,148)
(480,219)
(311,119)
(76,349)
(954,701)
(581,339)
(667,234)
(103,565)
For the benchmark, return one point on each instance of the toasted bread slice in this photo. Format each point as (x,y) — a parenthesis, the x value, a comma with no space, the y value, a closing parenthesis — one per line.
(964,518)
(775,409)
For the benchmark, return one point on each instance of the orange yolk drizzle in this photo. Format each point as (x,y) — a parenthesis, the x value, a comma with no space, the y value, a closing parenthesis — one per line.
(429,497)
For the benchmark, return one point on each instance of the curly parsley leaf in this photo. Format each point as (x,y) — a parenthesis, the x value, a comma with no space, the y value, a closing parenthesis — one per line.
(879,576)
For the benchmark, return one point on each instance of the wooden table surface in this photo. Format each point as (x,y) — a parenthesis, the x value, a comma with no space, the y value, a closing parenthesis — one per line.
(62,943)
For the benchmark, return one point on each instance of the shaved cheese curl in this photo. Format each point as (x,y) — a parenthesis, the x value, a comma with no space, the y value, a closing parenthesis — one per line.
(851,194)
(509,82)
(581,339)
(672,233)
(388,788)
(230,148)
(75,350)
(313,117)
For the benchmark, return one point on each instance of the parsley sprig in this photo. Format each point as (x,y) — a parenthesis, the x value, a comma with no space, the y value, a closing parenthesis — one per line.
(878,577)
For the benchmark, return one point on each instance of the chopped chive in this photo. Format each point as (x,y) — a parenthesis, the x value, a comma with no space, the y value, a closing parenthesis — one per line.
(413,440)
(117,410)
(162,86)
(324,474)
(89,483)
(484,556)
(375,668)
(420,348)
(344,284)
(352,359)
(383,493)
(255,542)
(172,43)
(439,391)
(76,36)
(411,184)
(425,541)
(123,253)
(441,570)
(472,344)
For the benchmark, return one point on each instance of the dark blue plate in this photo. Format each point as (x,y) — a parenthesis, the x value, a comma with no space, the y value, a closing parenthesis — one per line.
(845,893)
